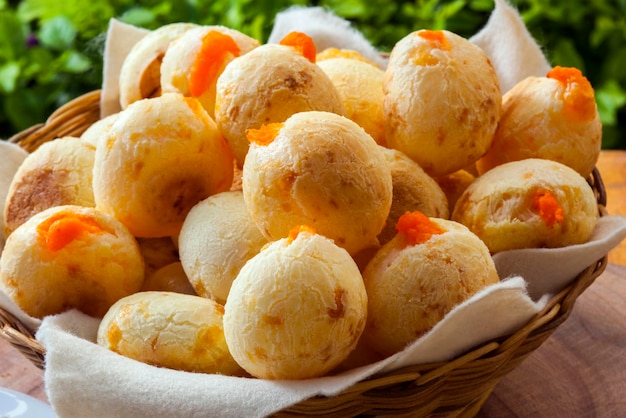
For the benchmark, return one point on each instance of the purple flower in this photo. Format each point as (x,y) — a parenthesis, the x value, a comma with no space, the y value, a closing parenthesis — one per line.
(32,40)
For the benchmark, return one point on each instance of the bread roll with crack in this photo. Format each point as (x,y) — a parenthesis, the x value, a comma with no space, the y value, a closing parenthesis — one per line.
(12,157)
(360,86)
(268,85)
(70,257)
(160,158)
(553,117)
(529,204)
(217,238)
(413,190)
(193,63)
(57,173)
(415,279)
(296,309)
(442,101)
(166,329)
(318,169)
(140,75)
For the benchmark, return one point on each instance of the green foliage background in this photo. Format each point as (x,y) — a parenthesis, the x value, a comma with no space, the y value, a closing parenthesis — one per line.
(51,50)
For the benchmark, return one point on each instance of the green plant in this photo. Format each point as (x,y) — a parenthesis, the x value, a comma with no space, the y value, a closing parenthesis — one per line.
(51,51)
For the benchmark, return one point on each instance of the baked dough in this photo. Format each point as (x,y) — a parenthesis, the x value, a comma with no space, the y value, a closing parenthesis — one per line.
(296,309)
(70,257)
(529,204)
(318,169)
(442,101)
(415,279)
(167,329)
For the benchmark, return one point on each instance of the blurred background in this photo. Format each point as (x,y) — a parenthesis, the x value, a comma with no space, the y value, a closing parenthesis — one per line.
(51,50)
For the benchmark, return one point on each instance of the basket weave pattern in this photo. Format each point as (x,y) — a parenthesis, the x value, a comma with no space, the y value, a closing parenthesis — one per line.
(455,388)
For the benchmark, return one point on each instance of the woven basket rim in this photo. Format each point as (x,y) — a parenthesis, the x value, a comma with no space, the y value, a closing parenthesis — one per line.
(414,390)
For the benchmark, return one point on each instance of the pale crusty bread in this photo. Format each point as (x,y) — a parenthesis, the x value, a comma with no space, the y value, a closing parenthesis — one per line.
(140,75)
(57,173)
(183,55)
(217,238)
(501,206)
(442,101)
(412,287)
(169,278)
(269,84)
(70,257)
(360,86)
(167,329)
(160,158)
(296,310)
(413,190)
(322,170)
(536,122)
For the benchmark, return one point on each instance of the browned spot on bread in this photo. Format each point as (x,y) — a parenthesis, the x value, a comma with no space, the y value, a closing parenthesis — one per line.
(339,310)
(35,192)
(150,83)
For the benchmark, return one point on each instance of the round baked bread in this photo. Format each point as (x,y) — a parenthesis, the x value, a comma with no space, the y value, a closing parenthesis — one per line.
(415,279)
(98,129)
(442,101)
(296,309)
(553,117)
(157,253)
(169,278)
(453,185)
(360,86)
(217,238)
(332,53)
(269,84)
(413,190)
(140,74)
(318,169)
(167,329)
(12,157)
(193,63)
(57,173)
(528,204)
(70,257)
(160,158)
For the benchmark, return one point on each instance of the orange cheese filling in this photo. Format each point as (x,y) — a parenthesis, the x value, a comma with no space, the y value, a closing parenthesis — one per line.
(417,228)
(546,205)
(295,231)
(302,43)
(436,40)
(215,48)
(59,231)
(578,98)
(265,134)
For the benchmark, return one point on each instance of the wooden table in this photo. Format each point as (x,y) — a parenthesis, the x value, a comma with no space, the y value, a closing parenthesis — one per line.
(580,371)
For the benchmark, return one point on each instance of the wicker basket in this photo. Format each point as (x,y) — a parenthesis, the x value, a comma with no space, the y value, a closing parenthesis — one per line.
(455,388)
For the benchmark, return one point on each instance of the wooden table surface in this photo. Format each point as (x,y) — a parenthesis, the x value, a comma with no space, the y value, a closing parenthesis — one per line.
(579,372)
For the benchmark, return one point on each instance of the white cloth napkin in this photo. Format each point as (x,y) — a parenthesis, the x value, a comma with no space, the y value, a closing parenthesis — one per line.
(83,379)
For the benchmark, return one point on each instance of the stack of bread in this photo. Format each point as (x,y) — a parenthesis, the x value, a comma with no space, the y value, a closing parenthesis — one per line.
(369,203)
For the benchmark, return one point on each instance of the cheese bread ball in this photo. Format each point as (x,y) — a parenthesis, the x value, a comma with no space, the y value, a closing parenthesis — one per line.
(553,117)
(442,101)
(453,185)
(12,157)
(192,64)
(331,53)
(57,173)
(318,169)
(528,204)
(415,279)
(413,190)
(70,257)
(98,129)
(217,238)
(140,74)
(296,309)
(157,253)
(360,86)
(269,84)
(160,158)
(169,278)
(167,329)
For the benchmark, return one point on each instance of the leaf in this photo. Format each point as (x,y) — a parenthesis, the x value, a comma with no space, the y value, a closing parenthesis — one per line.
(57,33)
(12,37)
(9,74)
(564,53)
(610,97)
(138,16)
(75,62)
